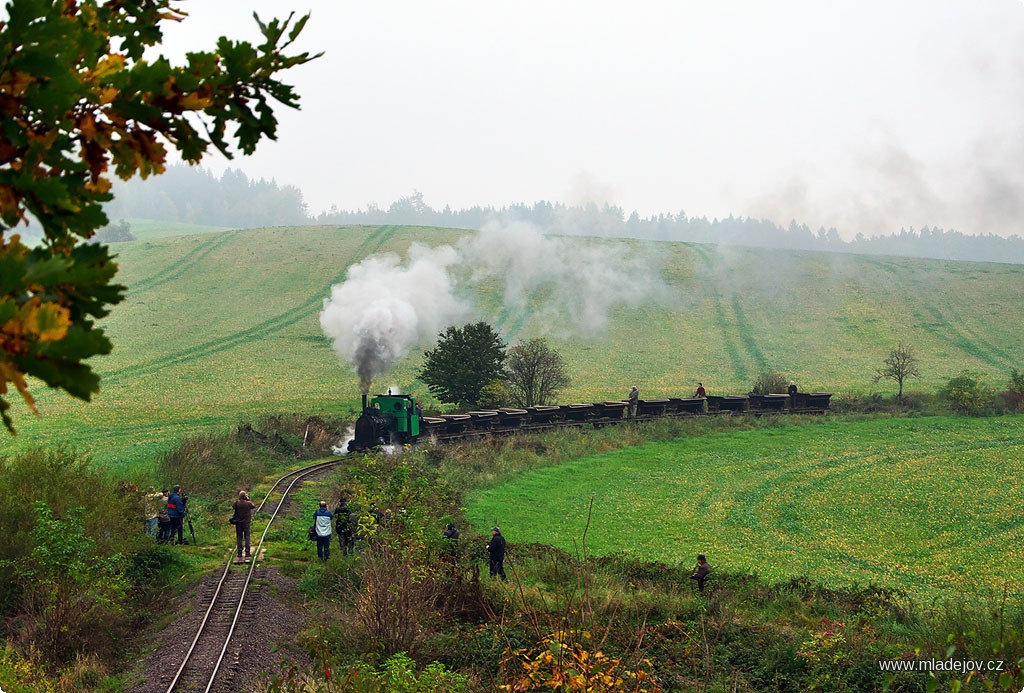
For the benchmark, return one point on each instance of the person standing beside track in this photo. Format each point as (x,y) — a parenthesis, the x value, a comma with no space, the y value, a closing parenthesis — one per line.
(451,541)
(243,522)
(322,521)
(344,526)
(176,511)
(163,521)
(153,502)
(633,399)
(496,553)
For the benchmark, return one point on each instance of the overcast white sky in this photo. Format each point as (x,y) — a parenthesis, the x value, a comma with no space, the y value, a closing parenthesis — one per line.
(864,115)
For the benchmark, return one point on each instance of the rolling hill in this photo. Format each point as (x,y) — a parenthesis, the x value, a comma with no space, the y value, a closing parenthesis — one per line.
(221,326)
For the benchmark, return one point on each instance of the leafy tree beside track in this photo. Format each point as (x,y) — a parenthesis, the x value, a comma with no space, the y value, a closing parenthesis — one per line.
(77,97)
(465,361)
(535,372)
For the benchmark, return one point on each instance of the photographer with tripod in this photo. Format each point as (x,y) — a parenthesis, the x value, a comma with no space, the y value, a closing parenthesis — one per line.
(176,510)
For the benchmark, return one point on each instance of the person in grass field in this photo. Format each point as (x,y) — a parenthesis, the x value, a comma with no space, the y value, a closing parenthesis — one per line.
(496,551)
(700,391)
(701,572)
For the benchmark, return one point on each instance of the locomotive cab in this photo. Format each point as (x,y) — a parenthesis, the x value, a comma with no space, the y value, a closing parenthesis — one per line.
(402,409)
(386,419)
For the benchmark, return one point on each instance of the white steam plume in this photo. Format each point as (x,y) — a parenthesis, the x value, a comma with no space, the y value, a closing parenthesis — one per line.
(384,309)
(570,284)
(565,285)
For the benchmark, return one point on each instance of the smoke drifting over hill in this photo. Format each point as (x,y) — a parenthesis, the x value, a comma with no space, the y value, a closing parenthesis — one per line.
(570,284)
(565,286)
(385,308)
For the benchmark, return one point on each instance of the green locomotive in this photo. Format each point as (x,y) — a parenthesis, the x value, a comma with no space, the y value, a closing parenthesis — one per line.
(386,419)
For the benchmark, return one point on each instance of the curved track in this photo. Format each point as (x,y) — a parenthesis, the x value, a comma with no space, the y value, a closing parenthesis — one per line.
(210,648)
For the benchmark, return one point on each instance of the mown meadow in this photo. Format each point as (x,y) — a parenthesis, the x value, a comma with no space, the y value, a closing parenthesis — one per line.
(928,505)
(222,325)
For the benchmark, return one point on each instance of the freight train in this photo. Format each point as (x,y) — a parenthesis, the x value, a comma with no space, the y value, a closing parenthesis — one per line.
(396,419)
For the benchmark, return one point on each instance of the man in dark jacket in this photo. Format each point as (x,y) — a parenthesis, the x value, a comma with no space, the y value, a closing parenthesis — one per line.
(701,572)
(344,526)
(176,511)
(451,541)
(496,550)
(243,522)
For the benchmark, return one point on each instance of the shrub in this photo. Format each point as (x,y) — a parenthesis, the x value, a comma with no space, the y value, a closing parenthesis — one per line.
(397,674)
(294,435)
(968,394)
(395,602)
(19,674)
(213,464)
(1013,397)
(770,383)
(118,232)
(570,660)
(63,480)
(72,599)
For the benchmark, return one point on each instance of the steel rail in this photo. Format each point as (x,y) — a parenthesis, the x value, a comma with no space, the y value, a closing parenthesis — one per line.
(298,474)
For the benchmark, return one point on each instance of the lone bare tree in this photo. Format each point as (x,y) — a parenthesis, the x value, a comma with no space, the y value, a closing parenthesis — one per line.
(899,365)
(534,372)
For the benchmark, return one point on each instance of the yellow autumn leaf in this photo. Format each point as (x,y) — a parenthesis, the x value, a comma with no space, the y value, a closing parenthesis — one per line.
(109,65)
(107,95)
(101,185)
(10,373)
(49,322)
(194,102)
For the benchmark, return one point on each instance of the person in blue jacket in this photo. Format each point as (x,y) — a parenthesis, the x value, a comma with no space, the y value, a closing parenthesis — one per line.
(322,521)
(176,511)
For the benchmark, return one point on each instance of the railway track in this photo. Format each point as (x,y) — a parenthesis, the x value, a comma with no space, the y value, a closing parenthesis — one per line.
(210,662)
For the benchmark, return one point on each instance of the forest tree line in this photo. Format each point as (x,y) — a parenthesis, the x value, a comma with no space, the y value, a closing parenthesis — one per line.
(196,196)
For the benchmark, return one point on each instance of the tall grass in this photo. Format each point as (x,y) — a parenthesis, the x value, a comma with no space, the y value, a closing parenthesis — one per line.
(215,463)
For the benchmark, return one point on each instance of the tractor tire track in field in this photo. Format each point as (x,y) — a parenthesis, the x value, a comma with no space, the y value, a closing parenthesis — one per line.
(183,264)
(372,244)
(797,485)
(508,323)
(752,518)
(944,328)
(738,365)
(747,338)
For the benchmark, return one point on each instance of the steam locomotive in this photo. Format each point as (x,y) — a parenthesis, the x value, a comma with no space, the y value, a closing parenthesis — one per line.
(396,419)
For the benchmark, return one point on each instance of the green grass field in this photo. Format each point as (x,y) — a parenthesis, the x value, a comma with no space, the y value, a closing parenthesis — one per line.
(931,505)
(218,326)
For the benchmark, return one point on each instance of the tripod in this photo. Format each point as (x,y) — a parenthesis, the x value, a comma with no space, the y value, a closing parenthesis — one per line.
(191,530)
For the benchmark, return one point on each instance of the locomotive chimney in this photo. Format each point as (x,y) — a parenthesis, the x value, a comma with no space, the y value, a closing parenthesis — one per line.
(364,401)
